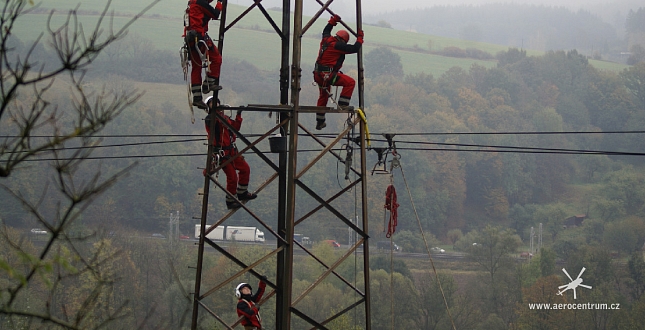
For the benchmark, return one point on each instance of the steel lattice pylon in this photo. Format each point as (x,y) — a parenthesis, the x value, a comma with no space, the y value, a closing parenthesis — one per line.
(290,185)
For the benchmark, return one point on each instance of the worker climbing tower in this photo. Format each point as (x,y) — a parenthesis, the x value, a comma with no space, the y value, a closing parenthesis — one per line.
(289,182)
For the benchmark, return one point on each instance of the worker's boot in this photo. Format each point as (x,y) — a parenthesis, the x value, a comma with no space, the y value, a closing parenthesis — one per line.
(233,205)
(214,87)
(197,97)
(345,107)
(320,124)
(200,103)
(320,121)
(246,196)
(210,85)
(207,88)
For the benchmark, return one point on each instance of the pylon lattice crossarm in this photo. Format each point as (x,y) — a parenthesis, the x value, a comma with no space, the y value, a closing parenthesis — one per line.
(322,277)
(231,212)
(249,144)
(322,263)
(250,212)
(264,136)
(301,108)
(347,309)
(241,272)
(308,319)
(213,314)
(328,201)
(326,149)
(316,16)
(330,208)
(319,141)
(248,10)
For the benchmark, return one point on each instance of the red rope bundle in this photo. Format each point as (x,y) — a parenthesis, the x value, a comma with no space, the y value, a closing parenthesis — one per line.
(392,206)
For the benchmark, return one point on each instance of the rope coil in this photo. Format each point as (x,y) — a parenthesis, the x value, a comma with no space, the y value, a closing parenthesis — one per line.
(391,205)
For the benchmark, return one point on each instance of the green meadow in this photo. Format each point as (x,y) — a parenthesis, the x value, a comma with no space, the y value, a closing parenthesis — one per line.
(254,40)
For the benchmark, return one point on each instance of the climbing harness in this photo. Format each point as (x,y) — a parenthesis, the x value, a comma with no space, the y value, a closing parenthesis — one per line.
(217,158)
(251,305)
(329,93)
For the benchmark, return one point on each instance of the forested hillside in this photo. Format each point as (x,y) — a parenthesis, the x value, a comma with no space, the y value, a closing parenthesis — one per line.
(557,92)
(515,25)
(489,149)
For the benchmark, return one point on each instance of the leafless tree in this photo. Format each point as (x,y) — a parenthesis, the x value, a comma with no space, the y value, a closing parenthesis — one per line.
(38,280)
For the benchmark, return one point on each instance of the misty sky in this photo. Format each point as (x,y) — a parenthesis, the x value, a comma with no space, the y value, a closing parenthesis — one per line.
(370,7)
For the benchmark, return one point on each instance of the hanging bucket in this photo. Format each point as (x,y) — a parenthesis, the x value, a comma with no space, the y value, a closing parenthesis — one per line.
(278,144)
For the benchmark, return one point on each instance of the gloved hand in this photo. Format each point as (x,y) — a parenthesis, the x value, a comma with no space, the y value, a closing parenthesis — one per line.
(359,37)
(218,6)
(239,112)
(263,278)
(334,20)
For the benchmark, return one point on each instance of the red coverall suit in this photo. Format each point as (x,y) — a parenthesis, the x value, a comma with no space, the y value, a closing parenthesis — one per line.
(223,141)
(247,308)
(199,13)
(327,69)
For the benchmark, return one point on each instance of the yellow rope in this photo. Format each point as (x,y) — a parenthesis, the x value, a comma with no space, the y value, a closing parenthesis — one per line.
(367,131)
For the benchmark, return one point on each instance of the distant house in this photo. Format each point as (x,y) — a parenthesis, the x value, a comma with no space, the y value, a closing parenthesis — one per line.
(574,221)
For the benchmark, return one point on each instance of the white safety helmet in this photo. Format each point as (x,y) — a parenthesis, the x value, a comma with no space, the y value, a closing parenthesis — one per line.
(239,287)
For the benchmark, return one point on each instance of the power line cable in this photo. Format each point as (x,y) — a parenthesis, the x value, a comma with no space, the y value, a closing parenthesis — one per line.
(510,147)
(546,151)
(459,146)
(374,134)
(512,133)
(522,149)
(525,151)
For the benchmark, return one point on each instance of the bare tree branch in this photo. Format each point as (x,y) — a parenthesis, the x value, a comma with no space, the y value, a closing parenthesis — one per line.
(75,50)
(48,274)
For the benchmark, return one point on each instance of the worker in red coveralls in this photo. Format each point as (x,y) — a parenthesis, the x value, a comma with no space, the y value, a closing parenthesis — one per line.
(247,304)
(223,140)
(199,13)
(327,69)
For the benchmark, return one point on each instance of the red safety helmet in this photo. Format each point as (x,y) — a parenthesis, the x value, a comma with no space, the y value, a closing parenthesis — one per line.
(342,34)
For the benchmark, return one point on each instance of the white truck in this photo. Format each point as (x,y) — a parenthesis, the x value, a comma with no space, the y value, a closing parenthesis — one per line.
(233,233)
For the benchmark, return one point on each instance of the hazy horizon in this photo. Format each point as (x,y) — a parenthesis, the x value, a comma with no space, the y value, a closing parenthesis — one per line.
(374,7)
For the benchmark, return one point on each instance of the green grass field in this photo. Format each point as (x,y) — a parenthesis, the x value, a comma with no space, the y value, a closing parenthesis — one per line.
(254,40)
